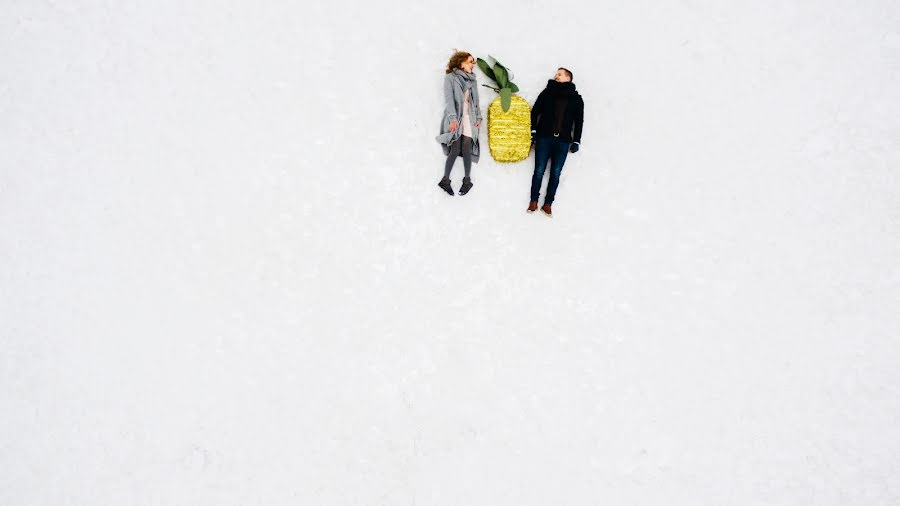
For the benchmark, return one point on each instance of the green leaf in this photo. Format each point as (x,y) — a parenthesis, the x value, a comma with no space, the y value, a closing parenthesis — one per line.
(507,76)
(502,76)
(483,65)
(505,99)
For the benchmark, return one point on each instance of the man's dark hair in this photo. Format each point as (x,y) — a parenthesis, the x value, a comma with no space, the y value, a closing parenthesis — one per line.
(568,73)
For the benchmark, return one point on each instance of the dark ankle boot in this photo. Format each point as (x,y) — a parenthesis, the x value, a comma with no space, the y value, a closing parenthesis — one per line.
(466,186)
(532,206)
(445,185)
(547,211)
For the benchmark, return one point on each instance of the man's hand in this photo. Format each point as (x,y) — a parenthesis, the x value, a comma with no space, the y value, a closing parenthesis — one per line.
(454,125)
(573,148)
(478,124)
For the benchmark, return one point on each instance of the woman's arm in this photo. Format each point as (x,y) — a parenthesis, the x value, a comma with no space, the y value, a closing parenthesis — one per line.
(477,103)
(449,103)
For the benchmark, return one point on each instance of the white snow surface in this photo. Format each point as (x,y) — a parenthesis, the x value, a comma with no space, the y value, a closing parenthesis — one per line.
(227,275)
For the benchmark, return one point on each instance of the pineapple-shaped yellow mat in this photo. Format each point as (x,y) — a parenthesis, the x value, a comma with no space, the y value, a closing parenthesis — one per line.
(509,116)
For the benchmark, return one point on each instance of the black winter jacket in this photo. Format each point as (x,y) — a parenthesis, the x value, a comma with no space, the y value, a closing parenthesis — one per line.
(544,118)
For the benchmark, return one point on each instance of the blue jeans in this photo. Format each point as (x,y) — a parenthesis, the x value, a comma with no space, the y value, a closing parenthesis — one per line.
(553,150)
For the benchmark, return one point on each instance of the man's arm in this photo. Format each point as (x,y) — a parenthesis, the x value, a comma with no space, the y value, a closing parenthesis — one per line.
(536,114)
(579,121)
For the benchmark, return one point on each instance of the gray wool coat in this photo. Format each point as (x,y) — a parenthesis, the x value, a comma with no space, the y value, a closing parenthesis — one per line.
(454,101)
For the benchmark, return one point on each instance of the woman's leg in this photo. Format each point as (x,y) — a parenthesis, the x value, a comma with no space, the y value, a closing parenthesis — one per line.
(451,158)
(467,154)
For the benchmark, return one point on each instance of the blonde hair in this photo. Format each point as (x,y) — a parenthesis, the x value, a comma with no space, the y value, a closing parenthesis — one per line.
(456,60)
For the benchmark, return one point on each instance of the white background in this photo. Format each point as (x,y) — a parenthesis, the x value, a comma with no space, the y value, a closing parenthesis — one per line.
(227,275)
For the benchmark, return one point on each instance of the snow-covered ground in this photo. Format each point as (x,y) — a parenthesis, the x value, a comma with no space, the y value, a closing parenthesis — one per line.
(227,275)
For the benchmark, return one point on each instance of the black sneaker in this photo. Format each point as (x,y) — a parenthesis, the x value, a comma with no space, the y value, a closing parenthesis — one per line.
(445,185)
(466,186)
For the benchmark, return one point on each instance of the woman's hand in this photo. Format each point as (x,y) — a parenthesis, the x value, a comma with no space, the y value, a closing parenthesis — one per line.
(454,125)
